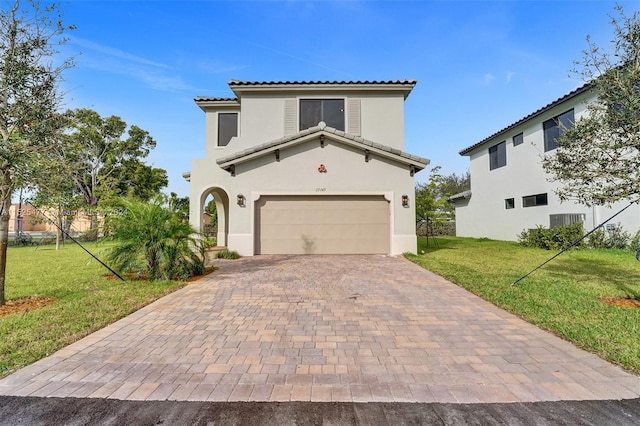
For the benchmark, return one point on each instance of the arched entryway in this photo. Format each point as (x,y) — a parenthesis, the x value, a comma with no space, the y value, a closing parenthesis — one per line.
(214,220)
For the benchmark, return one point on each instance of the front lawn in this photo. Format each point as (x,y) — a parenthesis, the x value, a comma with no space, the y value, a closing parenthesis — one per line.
(562,297)
(86,298)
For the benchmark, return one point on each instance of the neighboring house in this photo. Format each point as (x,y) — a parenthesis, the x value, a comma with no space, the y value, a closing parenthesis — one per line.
(510,190)
(308,167)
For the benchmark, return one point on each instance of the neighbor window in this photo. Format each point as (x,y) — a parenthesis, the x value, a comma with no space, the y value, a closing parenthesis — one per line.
(498,155)
(510,203)
(535,200)
(518,139)
(313,111)
(555,127)
(227,127)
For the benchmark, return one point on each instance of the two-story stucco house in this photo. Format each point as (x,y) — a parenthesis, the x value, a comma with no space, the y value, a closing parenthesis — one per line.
(308,168)
(510,191)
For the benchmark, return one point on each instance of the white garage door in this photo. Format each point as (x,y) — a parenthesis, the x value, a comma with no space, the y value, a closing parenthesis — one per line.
(322,225)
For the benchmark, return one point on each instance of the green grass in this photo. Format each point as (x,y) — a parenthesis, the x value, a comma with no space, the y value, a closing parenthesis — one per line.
(86,299)
(562,297)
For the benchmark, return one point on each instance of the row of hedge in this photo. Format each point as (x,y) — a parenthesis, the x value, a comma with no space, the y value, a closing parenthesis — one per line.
(560,237)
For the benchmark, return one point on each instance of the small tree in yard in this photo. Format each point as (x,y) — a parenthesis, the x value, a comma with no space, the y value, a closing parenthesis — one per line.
(153,240)
(29,99)
(598,160)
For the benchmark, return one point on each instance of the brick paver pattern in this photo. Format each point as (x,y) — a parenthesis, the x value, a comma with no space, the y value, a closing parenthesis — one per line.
(323,328)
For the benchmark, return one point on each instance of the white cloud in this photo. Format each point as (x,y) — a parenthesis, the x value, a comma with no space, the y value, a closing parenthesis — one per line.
(510,76)
(488,78)
(115,53)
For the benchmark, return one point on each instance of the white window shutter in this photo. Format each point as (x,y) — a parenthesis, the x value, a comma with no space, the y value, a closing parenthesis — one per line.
(290,113)
(353,117)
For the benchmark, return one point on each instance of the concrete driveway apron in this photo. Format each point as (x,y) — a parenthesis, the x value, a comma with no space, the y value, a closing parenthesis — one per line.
(323,328)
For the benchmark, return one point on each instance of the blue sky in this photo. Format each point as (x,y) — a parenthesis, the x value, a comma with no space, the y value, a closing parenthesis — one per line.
(480,65)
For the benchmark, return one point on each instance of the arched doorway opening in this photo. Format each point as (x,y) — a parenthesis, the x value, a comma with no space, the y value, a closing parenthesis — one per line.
(214,214)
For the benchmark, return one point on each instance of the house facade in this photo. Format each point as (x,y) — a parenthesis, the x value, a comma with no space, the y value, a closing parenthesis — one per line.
(308,168)
(511,192)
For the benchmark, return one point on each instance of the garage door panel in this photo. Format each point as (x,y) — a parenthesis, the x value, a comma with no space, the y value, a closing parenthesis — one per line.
(322,225)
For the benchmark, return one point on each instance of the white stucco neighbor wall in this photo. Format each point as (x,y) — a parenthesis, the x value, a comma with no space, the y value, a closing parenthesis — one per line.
(485,215)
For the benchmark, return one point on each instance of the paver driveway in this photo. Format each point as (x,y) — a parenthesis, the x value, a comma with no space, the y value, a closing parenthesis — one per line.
(323,328)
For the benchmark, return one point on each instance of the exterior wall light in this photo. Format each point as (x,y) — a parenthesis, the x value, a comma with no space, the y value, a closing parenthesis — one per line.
(405,201)
(241,200)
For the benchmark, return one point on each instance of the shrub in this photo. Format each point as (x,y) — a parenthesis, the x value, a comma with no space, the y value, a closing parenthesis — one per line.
(635,241)
(227,254)
(596,239)
(556,238)
(617,238)
(154,241)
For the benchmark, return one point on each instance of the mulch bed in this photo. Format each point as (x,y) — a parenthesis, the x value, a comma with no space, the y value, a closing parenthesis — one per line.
(24,304)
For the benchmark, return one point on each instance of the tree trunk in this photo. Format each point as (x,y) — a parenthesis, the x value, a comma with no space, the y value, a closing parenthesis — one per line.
(4,236)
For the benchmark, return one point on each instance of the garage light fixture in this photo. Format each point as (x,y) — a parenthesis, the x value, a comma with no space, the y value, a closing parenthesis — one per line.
(405,201)
(241,200)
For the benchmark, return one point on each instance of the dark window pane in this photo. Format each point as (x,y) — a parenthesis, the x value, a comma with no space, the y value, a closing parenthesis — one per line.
(313,111)
(498,155)
(518,139)
(509,203)
(555,127)
(565,121)
(227,127)
(535,200)
(541,200)
(333,113)
(551,133)
(310,113)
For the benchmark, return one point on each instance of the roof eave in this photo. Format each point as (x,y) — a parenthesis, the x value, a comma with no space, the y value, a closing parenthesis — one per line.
(403,86)
(573,94)
(399,156)
(206,104)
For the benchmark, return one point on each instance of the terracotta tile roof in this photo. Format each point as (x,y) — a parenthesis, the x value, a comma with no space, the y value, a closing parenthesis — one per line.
(335,82)
(208,99)
(267,147)
(534,114)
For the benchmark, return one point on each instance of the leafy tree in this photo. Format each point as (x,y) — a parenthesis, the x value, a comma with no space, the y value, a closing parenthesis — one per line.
(103,159)
(212,211)
(432,197)
(180,205)
(430,204)
(153,240)
(598,160)
(29,98)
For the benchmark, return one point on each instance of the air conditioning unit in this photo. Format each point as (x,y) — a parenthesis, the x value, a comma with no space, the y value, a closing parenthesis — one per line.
(566,219)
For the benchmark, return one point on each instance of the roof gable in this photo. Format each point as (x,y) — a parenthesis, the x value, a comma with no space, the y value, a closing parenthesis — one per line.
(319,131)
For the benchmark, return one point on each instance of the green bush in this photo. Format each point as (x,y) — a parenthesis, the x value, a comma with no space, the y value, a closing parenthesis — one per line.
(617,238)
(155,242)
(635,241)
(596,239)
(556,238)
(227,254)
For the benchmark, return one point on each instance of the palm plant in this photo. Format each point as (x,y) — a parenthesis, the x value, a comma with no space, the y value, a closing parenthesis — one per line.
(153,240)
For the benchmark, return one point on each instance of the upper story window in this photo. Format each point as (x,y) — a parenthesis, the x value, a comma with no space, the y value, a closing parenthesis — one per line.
(313,111)
(518,139)
(555,127)
(227,127)
(535,200)
(498,155)
(510,203)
